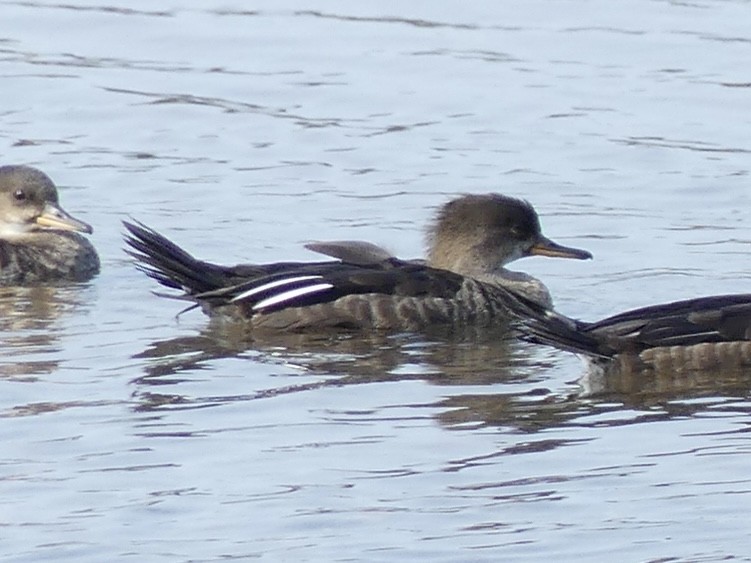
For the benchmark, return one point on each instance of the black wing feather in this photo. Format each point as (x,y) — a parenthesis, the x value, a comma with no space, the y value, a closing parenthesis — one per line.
(175,268)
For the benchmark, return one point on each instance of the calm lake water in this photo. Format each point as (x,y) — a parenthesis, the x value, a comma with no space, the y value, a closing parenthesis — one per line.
(243,131)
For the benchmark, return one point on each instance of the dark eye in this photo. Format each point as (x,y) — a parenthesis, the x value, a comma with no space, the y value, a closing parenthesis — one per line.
(19,195)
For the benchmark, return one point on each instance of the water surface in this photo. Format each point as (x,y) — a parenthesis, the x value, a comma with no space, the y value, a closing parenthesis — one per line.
(245,131)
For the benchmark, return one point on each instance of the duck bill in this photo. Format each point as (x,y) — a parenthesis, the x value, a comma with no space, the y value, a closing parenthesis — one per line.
(54,218)
(546,247)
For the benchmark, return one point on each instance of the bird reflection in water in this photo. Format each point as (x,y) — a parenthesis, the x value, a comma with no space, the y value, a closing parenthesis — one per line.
(29,325)
(445,357)
(532,394)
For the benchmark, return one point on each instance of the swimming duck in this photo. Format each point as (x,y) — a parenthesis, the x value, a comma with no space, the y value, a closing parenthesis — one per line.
(462,282)
(693,334)
(39,242)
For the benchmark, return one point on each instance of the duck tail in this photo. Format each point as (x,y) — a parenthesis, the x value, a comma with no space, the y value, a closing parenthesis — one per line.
(541,325)
(162,260)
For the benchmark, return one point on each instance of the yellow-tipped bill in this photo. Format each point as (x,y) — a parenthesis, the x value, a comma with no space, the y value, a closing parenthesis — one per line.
(54,218)
(546,247)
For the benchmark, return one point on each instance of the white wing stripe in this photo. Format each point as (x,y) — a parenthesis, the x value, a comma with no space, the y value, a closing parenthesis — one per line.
(272,285)
(290,294)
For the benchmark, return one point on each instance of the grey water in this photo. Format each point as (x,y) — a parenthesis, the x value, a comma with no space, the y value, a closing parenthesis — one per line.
(243,130)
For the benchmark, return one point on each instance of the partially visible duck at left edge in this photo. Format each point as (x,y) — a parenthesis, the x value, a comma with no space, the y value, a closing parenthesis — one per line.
(40,243)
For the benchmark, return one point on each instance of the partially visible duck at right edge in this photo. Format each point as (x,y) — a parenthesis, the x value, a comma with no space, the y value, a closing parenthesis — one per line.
(706,333)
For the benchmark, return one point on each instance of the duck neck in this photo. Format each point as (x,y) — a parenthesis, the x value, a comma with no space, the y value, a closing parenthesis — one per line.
(476,266)
(459,259)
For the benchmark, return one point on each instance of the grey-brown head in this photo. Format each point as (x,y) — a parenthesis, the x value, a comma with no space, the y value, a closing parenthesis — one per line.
(479,234)
(29,204)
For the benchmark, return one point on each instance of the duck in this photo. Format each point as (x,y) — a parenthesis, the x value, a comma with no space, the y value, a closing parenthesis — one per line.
(462,282)
(40,243)
(704,333)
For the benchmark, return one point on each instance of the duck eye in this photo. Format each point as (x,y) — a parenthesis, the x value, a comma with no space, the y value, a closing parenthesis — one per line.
(19,195)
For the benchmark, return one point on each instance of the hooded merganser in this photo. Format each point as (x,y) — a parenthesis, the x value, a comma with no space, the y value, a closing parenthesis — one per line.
(462,282)
(39,242)
(694,334)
